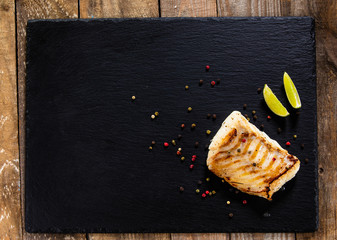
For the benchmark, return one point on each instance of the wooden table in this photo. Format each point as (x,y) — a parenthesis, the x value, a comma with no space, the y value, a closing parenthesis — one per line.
(13,20)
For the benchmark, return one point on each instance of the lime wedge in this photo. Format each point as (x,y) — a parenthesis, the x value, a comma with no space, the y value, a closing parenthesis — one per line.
(273,103)
(291,91)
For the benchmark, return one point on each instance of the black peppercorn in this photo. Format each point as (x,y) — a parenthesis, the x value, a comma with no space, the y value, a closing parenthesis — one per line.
(196,144)
(201,82)
(208,115)
(179,136)
(302,145)
(259,90)
(214,116)
(218,81)
(279,130)
(199,182)
(306,160)
(153,143)
(255,117)
(244,106)
(230,215)
(262,127)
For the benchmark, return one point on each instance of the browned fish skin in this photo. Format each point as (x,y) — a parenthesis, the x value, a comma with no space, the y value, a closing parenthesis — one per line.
(248,159)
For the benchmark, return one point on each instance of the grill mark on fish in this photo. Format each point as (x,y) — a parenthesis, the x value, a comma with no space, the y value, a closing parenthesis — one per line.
(230,137)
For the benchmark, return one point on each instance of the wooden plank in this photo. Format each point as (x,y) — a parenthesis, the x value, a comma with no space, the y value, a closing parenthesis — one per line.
(194,8)
(325,13)
(29,9)
(118,8)
(188,8)
(121,9)
(10,216)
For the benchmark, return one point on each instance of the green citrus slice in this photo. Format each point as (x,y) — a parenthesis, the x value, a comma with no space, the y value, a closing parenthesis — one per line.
(273,103)
(291,91)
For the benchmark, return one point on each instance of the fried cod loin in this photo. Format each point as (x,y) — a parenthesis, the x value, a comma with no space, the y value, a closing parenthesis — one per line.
(248,159)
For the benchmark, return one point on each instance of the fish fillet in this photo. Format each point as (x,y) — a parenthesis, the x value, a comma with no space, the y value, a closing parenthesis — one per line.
(248,159)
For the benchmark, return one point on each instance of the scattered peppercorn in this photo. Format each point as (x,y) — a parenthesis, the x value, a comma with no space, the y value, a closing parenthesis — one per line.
(306,160)
(194,156)
(197,190)
(207,192)
(302,145)
(173,142)
(248,119)
(236,191)
(249,152)
(279,130)
(246,115)
(222,180)
(208,179)
(244,202)
(213,83)
(153,116)
(179,149)
(153,142)
(189,109)
(274,159)
(193,159)
(208,132)
(208,115)
(206,147)
(254,164)
(288,143)
(182,125)
(253,112)
(239,150)
(150,148)
(228,202)
(181,189)
(244,140)
(268,117)
(210,194)
(193,125)
(259,90)
(201,82)
(261,127)
(186,87)
(214,116)
(203,195)
(207,67)
(191,166)
(295,136)
(156,114)
(244,106)
(255,117)
(218,81)
(230,215)
(182,158)
(166,144)
(179,136)
(133,97)
(196,144)
(178,153)
(213,192)
(266,214)
(199,182)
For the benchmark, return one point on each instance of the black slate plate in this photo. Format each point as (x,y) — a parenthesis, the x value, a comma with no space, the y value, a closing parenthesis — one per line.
(88,167)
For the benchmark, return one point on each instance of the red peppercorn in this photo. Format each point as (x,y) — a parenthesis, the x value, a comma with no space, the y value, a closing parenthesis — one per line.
(288,143)
(203,195)
(193,159)
(182,125)
(207,67)
(269,117)
(166,144)
(207,192)
(178,153)
(244,140)
(191,166)
(274,159)
(194,156)
(213,83)
(244,201)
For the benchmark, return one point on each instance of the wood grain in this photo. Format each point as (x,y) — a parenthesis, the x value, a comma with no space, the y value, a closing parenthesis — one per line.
(121,9)
(10,224)
(118,8)
(188,8)
(195,8)
(29,9)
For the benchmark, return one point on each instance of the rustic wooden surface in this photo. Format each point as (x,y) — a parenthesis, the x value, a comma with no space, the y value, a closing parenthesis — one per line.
(13,19)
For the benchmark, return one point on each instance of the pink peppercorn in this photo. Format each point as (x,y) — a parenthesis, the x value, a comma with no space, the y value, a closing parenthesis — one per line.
(207,67)
(194,156)
(288,143)
(178,153)
(269,117)
(207,192)
(191,166)
(166,144)
(244,140)
(193,159)
(203,195)
(244,201)
(213,83)
(182,125)
(274,159)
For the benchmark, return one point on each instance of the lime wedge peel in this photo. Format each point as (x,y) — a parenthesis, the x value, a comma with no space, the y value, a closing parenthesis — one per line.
(291,91)
(273,103)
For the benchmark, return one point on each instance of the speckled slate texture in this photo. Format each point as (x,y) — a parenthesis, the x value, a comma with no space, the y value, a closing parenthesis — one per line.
(88,167)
